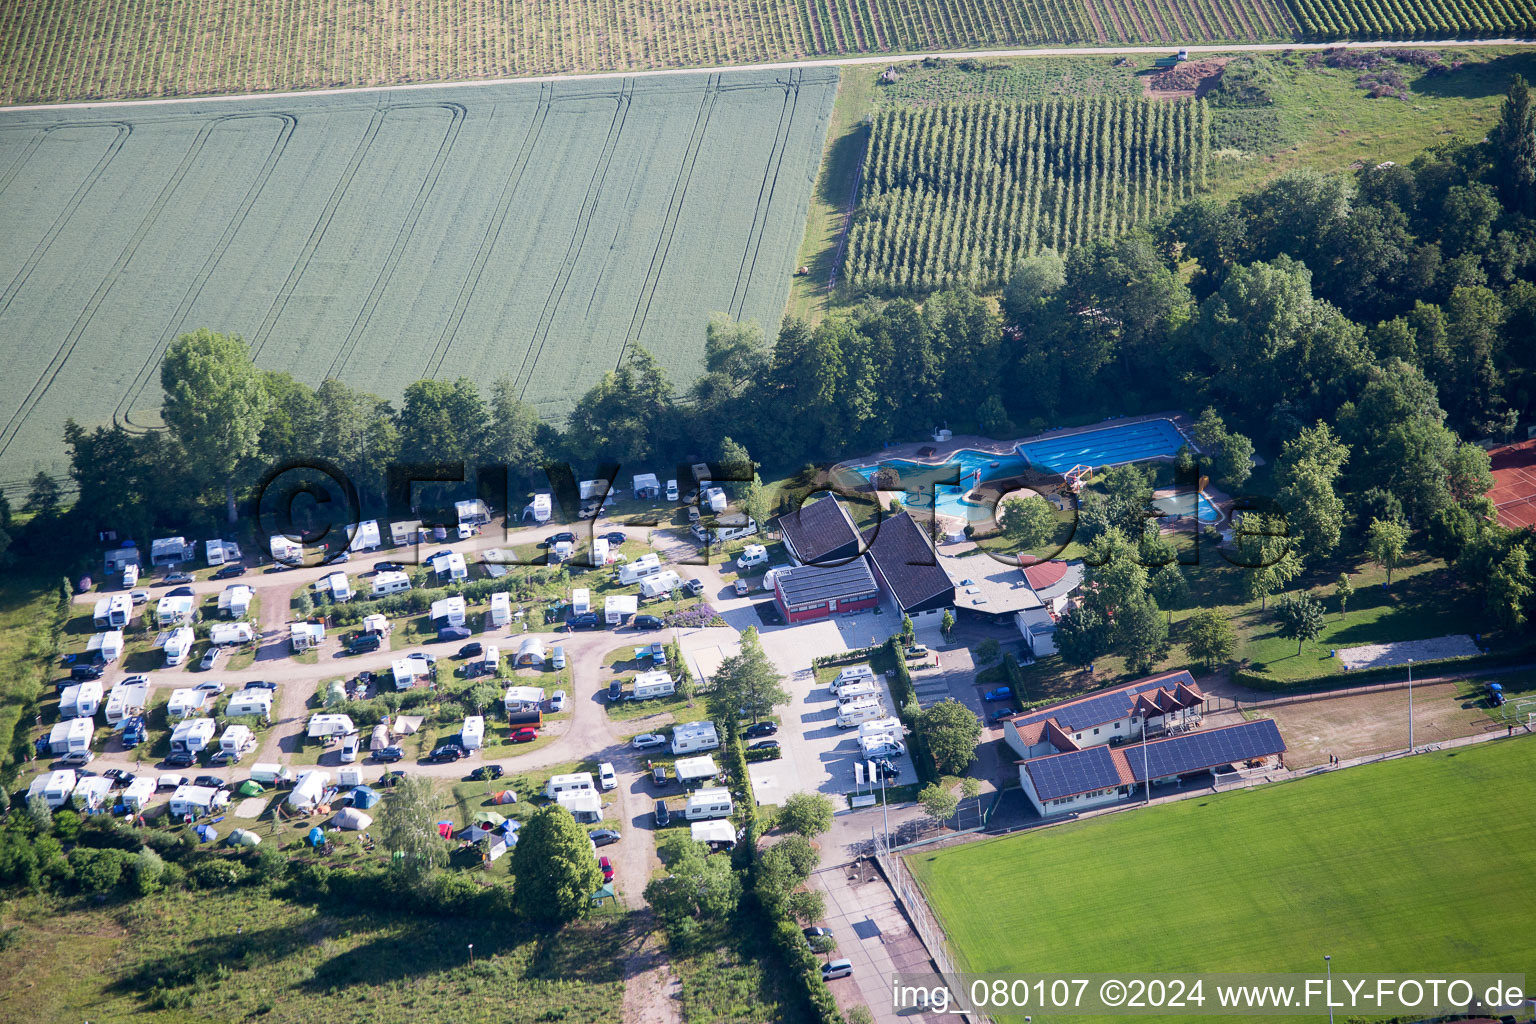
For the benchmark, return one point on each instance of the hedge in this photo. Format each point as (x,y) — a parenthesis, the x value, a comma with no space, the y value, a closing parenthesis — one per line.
(907,709)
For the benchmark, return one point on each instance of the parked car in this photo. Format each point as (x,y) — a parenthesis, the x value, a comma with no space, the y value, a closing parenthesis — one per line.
(525,735)
(607,867)
(426,656)
(615,538)
(452,634)
(648,741)
(170,781)
(134,731)
(817,936)
(603,836)
(557,701)
(209,687)
(389,755)
(559,538)
(77,759)
(917,651)
(758,729)
(138,597)
(363,643)
(615,691)
(647,622)
(886,769)
(224,758)
(210,659)
(557,657)
(606,777)
(663,818)
(586,620)
(836,969)
(447,753)
(175,578)
(765,745)
(659,774)
(998,714)
(1000,693)
(743,588)
(209,781)
(84,673)
(260,684)
(181,592)
(229,572)
(388,567)
(473,650)
(179,759)
(120,776)
(486,773)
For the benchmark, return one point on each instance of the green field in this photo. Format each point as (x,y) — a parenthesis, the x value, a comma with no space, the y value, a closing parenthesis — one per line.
(535,232)
(1395,867)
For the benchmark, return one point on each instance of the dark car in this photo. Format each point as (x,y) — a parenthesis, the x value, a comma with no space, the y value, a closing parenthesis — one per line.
(176,577)
(210,781)
(659,774)
(388,567)
(223,759)
(260,684)
(486,772)
(179,759)
(757,729)
(229,572)
(551,541)
(647,622)
(886,769)
(85,673)
(663,818)
(694,587)
(388,755)
(765,745)
(448,634)
(448,752)
(586,620)
(121,776)
(615,691)
(603,836)
(998,714)
(473,650)
(615,538)
(365,642)
(181,592)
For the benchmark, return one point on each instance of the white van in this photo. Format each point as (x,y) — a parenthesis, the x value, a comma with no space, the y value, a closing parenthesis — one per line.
(576,782)
(850,715)
(851,675)
(270,774)
(752,554)
(852,693)
(606,776)
(349,745)
(672,491)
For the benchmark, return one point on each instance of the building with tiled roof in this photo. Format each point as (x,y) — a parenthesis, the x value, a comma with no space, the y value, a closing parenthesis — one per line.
(907,568)
(1157,703)
(820,533)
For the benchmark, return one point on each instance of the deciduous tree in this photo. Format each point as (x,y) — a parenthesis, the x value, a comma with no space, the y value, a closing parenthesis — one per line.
(215,404)
(555,871)
(950,731)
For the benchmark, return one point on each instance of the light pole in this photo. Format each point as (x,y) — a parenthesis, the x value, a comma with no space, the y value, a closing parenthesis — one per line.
(1328,963)
(1145,771)
(1410,707)
(885,813)
(471,952)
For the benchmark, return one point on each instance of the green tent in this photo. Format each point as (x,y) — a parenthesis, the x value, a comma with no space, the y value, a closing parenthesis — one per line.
(489,819)
(604,894)
(250,787)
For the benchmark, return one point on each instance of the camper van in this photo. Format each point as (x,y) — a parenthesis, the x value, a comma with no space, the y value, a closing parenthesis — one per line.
(852,693)
(852,675)
(672,491)
(751,555)
(648,564)
(271,774)
(660,585)
(472,733)
(867,710)
(714,498)
(178,645)
(708,803)
(881,727)
(390,583)
(226,634)
(576,782)
(650,685)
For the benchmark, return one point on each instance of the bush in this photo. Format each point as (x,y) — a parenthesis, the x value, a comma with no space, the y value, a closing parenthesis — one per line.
(218,872)
(1247,82)
(148,872)
(96,870)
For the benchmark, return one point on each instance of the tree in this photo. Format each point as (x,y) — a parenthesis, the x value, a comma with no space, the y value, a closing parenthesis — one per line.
(1028,523)
(1209,637)
(513,432)
(1170,588)
(1306,471)
(806,906)
(947,623)
(215,404)
(1343,590)
(147,870)
(555,871)
(696,887)
(950,731)
(1082,636)
(1301,619)
(96,870)
(1510,587)
(1267,554)
(747,685)
(44,496)
(1035,279)
(484,695)
(40,813)
(939,802)
(1385,543)
(970,789)
(407,828)
(807,814)
(1512,145)
(442,419)
(780,869)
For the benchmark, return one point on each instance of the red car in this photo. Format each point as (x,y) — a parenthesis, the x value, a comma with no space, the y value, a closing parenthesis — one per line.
(607,866)
(524,735)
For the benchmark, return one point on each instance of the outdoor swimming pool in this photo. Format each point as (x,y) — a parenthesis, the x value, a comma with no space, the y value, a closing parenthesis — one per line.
(1180,505)
(933,486)
(1106,446)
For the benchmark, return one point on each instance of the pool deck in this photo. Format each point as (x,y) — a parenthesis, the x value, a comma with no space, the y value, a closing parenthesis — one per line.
(938,452)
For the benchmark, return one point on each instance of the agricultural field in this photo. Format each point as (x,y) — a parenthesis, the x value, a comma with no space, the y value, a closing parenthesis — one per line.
(535,232)
(1414,19)
(53,50)
(1370,865)
(960,192)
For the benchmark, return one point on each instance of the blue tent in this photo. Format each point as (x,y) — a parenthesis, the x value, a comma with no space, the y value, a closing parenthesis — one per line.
(316,836)
(364,798)
(207,833)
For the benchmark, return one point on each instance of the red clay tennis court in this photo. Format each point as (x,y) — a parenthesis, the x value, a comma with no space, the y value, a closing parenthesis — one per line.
(1514,484)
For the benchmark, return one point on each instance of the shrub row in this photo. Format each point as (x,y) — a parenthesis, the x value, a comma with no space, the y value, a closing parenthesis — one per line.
(1363,677)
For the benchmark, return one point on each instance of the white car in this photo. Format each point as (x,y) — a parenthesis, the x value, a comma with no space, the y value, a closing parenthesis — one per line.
(426,656)
(606,777)
(557,657)
(139,596)
(557,701)
(648,741)
(77,759)
(209,687)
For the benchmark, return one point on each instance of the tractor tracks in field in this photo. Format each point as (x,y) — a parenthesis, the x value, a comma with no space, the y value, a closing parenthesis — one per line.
(671,218)
(509,186)
(124,413)
(578,238)
(765,193)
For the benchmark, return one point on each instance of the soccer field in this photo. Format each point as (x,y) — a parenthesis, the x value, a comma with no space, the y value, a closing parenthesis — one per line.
(536,232)
(1424,864)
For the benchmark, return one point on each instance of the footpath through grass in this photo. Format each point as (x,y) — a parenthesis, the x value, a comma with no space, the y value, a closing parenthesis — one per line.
(1410,865)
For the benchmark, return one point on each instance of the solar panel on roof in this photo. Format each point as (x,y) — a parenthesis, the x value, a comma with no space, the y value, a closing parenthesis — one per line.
(1197,751)
(1081,771)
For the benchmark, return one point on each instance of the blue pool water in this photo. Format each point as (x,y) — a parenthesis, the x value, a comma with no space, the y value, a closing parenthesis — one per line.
(930,486)
(1107,446)
(1179,505)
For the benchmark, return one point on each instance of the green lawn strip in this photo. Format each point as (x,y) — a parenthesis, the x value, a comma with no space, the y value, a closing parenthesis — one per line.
(1372,865)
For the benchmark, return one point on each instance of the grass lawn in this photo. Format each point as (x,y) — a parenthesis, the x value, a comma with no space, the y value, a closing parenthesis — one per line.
(178,956)
(1380,865)
(28,601)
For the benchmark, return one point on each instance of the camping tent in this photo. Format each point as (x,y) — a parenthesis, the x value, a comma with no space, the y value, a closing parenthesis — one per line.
(244,837)
(506,796)
(250,787)
(489,819)
(364,798)
(207,833)
(352,818)
(316,836)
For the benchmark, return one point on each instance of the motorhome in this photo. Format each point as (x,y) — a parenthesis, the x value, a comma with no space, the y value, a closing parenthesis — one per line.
(751,555)
(192,735)
(80,700)
(693,737)
(672,491)
(882,727)
(271,774)
(130,575)
(660,585)
(575,782)
(226,634)
(852,675)
(386,583)
(178,645)
(472,732)
(648,564)
(708,803)
(853,693)
(867,710)
(650,685)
